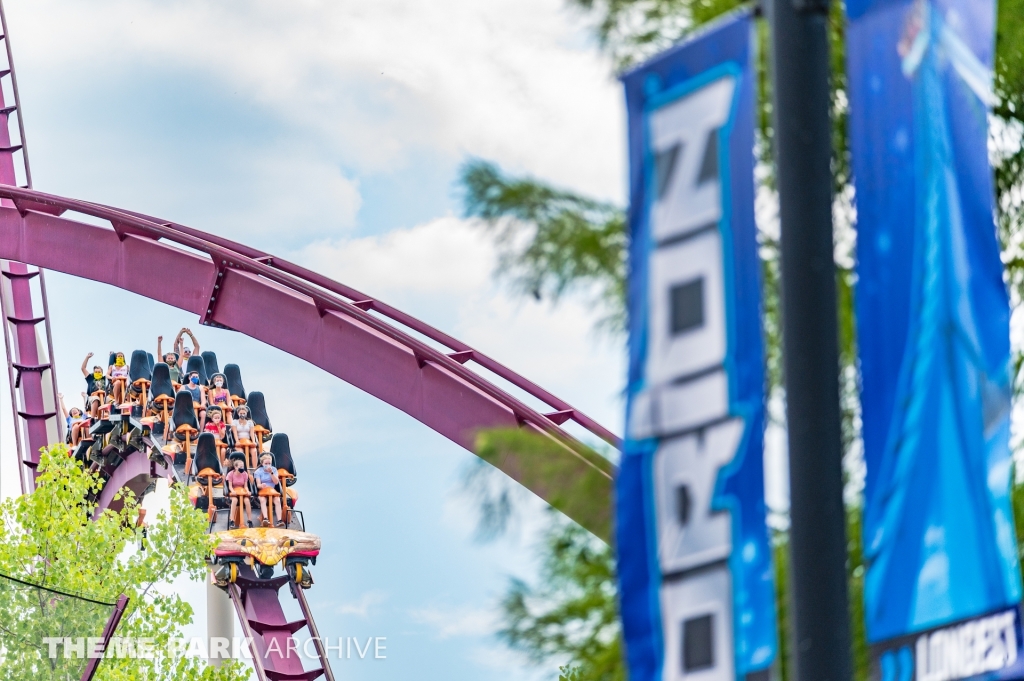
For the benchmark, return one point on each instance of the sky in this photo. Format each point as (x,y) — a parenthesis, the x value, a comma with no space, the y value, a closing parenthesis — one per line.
(330,134)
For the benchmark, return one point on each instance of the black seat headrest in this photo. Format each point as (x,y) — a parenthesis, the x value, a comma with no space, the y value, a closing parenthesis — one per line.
(258,409)
(113,358)
(210,359)
(234,377)
(152,362)
(213,377)
(206,453)
(282,451)
(139,368)
(161,385)
(184,413)
(237,455)
(196,363)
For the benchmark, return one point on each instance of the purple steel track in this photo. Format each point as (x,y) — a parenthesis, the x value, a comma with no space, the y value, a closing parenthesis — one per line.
(309,316)
(108,633)
(31,372)
(135,473)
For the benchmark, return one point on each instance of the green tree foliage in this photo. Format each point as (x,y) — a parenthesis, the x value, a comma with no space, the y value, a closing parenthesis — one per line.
(572,613)
(523,211)
(551,240)
(50,538)
(540,463)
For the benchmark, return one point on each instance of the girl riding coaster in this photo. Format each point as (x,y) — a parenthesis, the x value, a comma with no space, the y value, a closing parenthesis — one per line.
(238,482)
(241,428)
(117,373)
(215,424)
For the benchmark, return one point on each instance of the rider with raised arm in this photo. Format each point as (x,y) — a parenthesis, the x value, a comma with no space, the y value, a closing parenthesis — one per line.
(95,382)
(170,358)
(183,351)
(75,420)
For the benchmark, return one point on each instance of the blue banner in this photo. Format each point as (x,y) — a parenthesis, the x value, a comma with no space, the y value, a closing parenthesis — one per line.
(933,333)
(694,558)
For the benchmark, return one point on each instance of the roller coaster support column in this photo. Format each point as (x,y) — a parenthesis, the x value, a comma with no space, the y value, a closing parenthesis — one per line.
(803,136)
(220,620)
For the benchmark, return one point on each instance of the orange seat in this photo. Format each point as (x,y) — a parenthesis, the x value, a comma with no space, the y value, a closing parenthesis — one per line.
(248,447)
(238,493)
(271,493)
(211,478)
(285,478)
(260,433)
(164,402)
(123,382)
(189,432)
(142,385)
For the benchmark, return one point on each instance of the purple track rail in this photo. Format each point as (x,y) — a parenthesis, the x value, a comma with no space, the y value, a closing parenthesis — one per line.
(335,327)
(30,366)
(332,326)
(275,652)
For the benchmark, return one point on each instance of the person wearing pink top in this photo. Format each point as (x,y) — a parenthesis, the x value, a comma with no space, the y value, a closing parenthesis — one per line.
(238,482)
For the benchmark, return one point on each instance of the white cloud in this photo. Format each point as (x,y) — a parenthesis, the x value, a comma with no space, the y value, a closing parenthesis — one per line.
(444,257)
(509,79)
(458,621)
(362,605)
(441,272)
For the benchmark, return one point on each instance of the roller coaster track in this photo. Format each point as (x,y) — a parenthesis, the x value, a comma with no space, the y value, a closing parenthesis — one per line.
(31,371)
(371,345)
(363,341)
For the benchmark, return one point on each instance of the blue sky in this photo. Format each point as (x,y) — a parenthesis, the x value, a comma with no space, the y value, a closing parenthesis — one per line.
(331,133)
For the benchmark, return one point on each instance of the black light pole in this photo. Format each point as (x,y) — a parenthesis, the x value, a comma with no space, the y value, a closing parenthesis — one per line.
(803,137)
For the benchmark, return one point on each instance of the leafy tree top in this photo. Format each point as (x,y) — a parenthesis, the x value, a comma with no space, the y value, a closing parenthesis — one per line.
(51,537)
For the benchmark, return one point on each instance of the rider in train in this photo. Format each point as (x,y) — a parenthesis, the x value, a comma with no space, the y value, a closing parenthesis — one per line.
(198,397)
(184,352)
(266,477)
(241,429)
(219,396)
(96,386)
(76,421)
(215,424)
(117,374)
(172,359)
(179,351)
(238,482)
